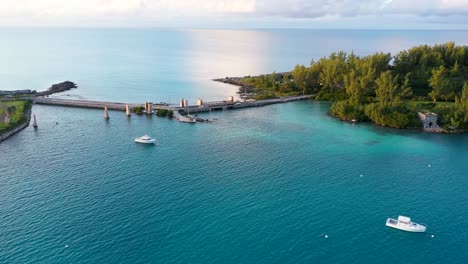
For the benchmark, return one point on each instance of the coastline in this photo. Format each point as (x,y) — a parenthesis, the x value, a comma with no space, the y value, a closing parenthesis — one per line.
(30,95)
(55,88)
(248,90)
(4,136)
(244,88)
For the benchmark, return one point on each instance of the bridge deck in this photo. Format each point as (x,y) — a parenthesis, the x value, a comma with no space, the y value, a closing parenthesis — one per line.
(207,106)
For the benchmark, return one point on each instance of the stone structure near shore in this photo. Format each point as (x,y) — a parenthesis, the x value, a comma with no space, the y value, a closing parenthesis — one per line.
(429,122)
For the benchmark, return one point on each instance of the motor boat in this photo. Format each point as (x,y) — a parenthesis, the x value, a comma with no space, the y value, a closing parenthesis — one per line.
(404,223)
(185,119)
(145,140)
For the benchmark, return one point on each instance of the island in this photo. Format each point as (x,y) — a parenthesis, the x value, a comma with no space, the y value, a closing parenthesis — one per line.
(425,85)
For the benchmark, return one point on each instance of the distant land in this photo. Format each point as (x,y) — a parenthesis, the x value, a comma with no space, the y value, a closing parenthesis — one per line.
(55,88)
(423,86)
(15,107)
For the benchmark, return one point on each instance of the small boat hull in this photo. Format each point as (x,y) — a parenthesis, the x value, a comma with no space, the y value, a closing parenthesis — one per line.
(184,119)
(405,226)
(145,140)
(152,141)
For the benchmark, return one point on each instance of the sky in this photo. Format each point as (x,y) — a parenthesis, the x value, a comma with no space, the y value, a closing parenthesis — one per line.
(340,14)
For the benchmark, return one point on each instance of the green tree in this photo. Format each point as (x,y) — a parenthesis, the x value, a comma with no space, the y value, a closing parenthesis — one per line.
(459,118)
(359,83)
(286,85)
(439,83)
(332,69)
(406,91)
(302,78)
(387,87)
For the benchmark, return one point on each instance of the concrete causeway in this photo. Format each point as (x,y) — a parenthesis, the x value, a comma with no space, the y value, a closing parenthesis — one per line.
(205,107)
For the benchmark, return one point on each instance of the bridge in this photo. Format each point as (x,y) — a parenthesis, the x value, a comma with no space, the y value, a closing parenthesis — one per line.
(205,107)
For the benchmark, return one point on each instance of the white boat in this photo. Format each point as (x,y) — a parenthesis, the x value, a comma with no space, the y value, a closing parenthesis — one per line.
(185,119)
(404,223)
(145,140)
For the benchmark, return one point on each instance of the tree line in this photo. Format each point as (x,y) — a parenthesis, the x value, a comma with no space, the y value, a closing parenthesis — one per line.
(380,87)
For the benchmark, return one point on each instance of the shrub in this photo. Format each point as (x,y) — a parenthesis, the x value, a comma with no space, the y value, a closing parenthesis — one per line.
(16,113)
(331,96)
(162,112)
(346,110)
(138,109)
(392,114)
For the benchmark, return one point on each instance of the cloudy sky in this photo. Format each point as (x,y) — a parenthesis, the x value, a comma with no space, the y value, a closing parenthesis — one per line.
(413,14)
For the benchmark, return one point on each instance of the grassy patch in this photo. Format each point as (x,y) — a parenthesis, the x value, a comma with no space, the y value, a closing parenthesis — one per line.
(16,111)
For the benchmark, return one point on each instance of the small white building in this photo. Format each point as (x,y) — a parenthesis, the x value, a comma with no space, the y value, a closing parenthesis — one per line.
(428,120)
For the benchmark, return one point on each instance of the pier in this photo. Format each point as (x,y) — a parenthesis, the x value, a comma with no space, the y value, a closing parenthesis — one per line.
(204,107)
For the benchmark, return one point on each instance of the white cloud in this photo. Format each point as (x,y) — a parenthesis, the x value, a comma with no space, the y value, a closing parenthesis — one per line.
(120,7)
(185,12)
(318,8)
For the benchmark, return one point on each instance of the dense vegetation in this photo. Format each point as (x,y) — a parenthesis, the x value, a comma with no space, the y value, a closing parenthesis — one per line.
(164,112)
(161,112)
(15,112)
(382,88)
(138,110)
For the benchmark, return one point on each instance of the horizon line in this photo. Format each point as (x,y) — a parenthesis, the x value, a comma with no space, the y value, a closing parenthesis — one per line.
(221,28)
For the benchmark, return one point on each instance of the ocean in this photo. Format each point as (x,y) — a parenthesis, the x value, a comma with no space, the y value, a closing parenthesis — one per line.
(282,183)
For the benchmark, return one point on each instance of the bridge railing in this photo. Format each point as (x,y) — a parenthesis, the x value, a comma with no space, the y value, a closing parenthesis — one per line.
(217,103)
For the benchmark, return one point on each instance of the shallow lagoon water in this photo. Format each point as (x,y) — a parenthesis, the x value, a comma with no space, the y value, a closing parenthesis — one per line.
(259,185)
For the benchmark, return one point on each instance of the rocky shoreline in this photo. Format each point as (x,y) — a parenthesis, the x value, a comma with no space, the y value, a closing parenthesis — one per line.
(244,88)
(55,88)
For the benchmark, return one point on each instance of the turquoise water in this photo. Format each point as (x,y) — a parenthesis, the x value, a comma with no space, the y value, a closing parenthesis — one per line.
(259,185)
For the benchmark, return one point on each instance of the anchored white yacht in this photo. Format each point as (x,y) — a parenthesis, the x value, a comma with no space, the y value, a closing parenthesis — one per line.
(145,140)
(404,223)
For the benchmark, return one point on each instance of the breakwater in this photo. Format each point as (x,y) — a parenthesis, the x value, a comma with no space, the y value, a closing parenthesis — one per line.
(55,88)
